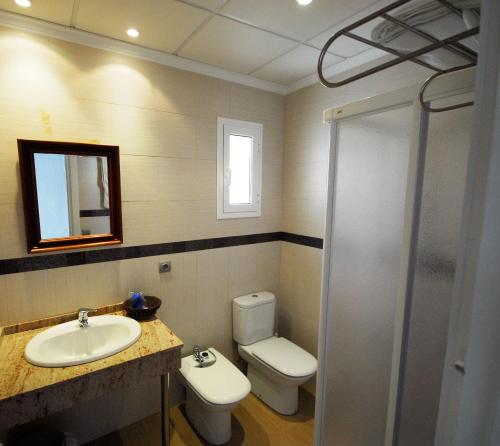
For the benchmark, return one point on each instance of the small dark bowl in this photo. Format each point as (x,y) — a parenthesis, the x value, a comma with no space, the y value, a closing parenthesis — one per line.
(146,311)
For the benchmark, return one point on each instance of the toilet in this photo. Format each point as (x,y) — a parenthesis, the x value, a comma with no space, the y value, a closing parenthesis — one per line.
(276,366)
(212,391)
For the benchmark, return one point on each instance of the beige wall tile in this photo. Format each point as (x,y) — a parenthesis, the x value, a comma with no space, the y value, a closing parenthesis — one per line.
(147,222)
(10,184)
(206,137)
(268,260)
(44,293)
(178,293)
(256,105)
(150,221)
(211,288)
(150,132)
(163,119)
(111,78)
(305,217)
(12,234)
(242,268)
(309,181)
(146,178)
(189,93)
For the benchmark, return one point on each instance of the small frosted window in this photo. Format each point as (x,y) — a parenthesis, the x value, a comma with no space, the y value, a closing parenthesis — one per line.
(240,166)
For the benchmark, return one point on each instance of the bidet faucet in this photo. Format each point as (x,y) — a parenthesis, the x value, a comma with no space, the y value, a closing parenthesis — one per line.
(197,354)
(83,316)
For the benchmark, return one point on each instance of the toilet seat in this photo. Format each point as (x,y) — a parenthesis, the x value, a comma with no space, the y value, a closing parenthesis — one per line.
(283,356)
(219,384)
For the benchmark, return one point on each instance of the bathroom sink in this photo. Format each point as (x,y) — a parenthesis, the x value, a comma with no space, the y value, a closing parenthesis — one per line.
(69,344)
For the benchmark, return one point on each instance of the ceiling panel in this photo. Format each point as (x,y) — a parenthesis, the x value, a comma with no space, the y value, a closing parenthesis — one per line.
(209,4)
(228,44)
(164,24)
(287,17)
(294,65)
(56,11)
(345,46)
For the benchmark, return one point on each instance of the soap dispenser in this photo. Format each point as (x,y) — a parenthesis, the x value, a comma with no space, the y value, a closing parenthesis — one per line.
(137,299)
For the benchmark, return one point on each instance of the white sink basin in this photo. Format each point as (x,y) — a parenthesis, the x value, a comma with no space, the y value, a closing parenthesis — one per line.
(69,344)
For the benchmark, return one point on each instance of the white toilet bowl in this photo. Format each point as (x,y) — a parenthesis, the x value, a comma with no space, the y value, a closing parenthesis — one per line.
(276,366)
(276,369)
(212,392)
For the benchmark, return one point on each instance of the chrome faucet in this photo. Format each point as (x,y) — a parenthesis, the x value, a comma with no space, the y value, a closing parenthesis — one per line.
(197,354)
(83,316)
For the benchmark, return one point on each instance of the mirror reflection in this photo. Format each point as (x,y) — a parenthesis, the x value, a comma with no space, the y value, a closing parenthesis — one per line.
(72,194)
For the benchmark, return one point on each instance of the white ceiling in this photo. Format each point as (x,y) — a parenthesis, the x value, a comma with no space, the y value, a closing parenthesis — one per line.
(164,25)
(57,11)
(290,19)
(232,45)
(271,40)
(296,64)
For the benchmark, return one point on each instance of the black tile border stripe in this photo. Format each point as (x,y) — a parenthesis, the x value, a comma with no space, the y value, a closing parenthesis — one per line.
(94,212)
(305,240)
(50,261)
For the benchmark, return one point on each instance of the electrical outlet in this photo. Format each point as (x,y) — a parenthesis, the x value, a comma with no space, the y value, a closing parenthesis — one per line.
(165,267)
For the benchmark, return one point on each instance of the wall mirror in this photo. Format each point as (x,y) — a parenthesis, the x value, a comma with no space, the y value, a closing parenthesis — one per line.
(71,195)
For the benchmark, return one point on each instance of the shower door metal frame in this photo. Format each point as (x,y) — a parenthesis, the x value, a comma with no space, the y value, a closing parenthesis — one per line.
(451,85)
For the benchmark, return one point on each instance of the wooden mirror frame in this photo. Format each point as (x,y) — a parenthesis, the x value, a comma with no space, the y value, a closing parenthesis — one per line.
(27,150)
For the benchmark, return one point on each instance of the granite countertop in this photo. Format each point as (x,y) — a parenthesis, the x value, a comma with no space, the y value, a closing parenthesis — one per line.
(21,381)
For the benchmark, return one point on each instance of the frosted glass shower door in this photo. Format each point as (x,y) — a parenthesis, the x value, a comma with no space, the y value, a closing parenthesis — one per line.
(447,151)
(372,158)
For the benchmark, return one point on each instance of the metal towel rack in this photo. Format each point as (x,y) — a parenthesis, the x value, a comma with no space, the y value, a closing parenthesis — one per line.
(451,44)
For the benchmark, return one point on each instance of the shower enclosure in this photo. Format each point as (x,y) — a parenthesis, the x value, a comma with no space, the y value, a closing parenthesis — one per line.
(396,188)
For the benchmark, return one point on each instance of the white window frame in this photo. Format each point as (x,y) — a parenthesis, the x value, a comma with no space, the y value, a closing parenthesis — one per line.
(225,128)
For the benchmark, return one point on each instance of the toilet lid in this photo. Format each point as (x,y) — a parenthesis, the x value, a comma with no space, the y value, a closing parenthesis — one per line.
(284,356)
(221,383)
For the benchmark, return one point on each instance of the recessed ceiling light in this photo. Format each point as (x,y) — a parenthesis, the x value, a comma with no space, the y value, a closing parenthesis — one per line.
(23,3)
(304,2)
(132,32)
